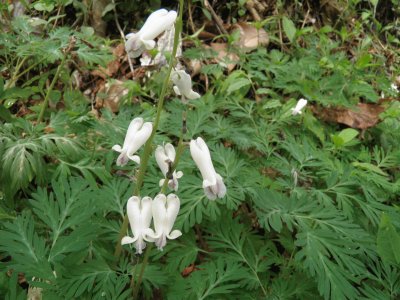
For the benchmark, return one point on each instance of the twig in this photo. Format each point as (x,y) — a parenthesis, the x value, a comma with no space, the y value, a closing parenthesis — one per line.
(121,32)
(250,5)
(60,66)
(217,19)
(305,18)
(191,17)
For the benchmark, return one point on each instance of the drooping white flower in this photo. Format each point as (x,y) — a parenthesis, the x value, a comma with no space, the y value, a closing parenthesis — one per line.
(299,106)
(138,133)
(394,88)
(165,210)
(139,214)
(156,23)
(165,156)
(183,85)
(213,183)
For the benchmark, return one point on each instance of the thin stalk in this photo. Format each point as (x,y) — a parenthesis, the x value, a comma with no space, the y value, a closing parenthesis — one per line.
(47,97)
(148,146)
(14,78)
(136,287)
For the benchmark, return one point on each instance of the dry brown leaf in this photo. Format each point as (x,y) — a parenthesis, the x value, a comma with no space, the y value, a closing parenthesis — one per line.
(225,58)
(364,116)
(188,270)
(110,95)
(250,37)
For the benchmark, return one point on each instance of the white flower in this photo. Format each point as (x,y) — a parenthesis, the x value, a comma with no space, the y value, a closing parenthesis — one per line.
(156,23)
(299,106)
(183,85)
(139,215)
(138,133)
(394,88)
(213,183)
(165,156)
(165,210)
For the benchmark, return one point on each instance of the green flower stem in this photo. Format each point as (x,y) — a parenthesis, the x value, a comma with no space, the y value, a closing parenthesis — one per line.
(17,68)
(179,151)
(17,76)
(47,97)
(149,144)
(136,287)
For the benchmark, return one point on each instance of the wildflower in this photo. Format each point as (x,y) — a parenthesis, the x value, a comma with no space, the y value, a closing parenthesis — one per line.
(139,215)
(165,210)
(138,133)
(156,23)
(183,85)
(394,88)
(165,156)
(299,106)
(213,183)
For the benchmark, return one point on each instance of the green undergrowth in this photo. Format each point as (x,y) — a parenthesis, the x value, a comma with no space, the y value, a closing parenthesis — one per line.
(312,207)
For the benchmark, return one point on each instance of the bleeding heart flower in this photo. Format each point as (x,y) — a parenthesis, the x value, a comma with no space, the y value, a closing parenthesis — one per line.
(165,210)
(183,85)
(139,215)
(213,183)
(138,133)
(165,156)
(299,106)
(156,23)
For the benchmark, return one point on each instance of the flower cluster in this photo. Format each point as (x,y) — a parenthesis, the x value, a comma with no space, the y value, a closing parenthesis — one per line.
(163,210)
(158,22)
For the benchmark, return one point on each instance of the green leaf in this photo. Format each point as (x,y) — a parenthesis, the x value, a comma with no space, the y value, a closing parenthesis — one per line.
(348,134)
(238,84)
(369,167)
(388,241)
(109,7)
(289,28)
(5,114)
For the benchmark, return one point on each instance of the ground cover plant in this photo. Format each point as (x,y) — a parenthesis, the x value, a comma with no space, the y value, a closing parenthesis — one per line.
(199,150)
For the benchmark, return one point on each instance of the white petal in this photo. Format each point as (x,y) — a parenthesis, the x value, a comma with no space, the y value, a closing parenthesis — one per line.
(155,25)
(140,245)
(161,159)
(146,212)
(202,158)
(134,158)
(209,193)
(177,91)
(221,187)
(161,241)
(173,205)
(161,183)
(179,174)
(174,235)
(152,18)
(127,240)
(159,213)
(122,159)
(149,44)
(133,212)
(193,95)
(149,235)
(170,151)
(117,148)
